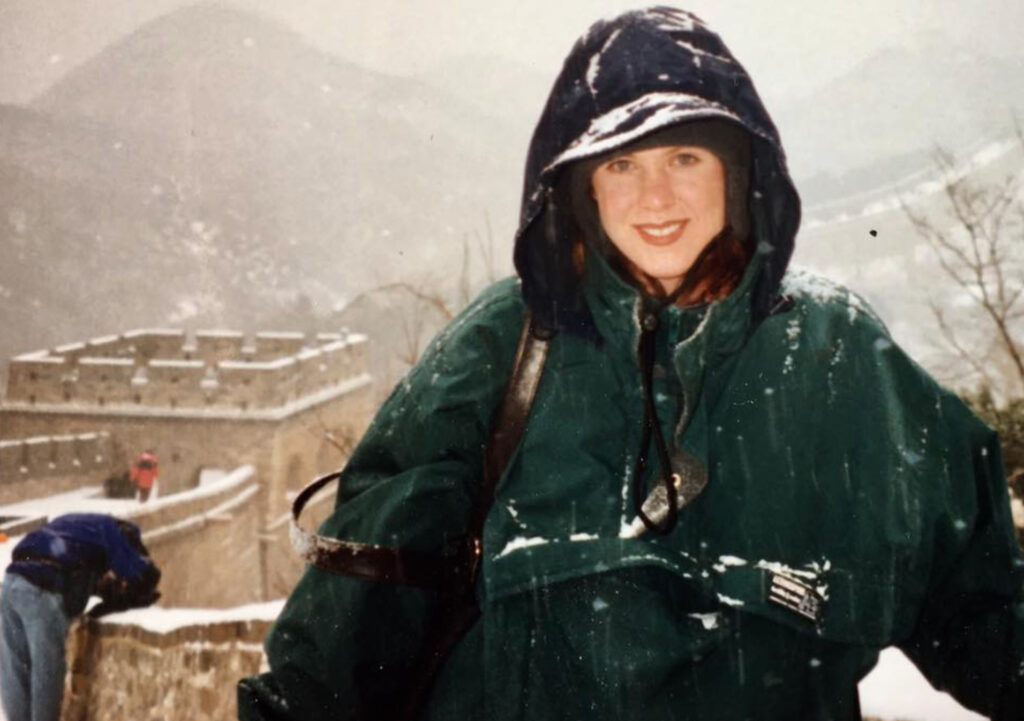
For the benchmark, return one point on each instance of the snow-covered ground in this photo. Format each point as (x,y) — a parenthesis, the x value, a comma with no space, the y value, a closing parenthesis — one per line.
(895,690)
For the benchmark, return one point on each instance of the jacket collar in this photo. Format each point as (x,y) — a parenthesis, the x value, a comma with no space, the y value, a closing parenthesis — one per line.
(715,330)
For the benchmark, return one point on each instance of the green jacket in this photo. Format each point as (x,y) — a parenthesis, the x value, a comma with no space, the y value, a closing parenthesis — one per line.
(833,460)
(851,503)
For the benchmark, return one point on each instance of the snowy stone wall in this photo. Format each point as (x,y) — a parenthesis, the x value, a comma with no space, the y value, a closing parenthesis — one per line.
(182,445)
(124,671)
(211,558)
(286,453)
(290,405)
(216,370)
(198,409)
(44,465)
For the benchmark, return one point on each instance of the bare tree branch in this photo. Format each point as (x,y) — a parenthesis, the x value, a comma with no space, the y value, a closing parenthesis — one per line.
(949,335)
(981,253)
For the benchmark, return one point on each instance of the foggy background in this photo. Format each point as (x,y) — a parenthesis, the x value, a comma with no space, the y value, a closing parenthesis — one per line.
(317,164)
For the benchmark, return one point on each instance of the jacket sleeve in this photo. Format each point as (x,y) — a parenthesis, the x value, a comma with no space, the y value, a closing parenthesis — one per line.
(126,561)
(969,637)
(341,645)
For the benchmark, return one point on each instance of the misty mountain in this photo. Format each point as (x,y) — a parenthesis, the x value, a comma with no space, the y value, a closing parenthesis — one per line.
(511,93)
(211,167)
(885,117)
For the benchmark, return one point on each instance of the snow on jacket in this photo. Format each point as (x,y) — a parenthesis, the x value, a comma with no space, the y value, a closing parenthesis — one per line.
(70,553)
(851,503)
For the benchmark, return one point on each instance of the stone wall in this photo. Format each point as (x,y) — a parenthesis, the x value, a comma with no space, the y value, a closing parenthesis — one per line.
(286,453)
(206,542)
(162,369)
(183,445)
(123,671)
(44,465)
(291,408)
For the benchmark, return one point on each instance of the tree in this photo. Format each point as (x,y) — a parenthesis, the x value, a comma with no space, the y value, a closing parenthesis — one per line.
(404,314)
(979,244)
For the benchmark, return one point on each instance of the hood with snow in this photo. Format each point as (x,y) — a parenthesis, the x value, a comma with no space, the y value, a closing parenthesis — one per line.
(626,78)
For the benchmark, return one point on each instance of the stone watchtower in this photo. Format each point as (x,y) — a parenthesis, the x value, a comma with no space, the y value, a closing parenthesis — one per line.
(287,404)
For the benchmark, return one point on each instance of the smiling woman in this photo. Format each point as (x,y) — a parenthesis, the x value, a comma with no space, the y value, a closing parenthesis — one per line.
(669,204)
(732,489)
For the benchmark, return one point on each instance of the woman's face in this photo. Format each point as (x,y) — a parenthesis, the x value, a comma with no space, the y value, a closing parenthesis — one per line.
(661,207)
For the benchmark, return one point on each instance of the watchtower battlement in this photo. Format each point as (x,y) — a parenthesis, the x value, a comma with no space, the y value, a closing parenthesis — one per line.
(168,369)
(46,456)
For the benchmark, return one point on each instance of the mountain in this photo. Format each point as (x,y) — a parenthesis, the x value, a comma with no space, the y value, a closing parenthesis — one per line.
(212,167)
(510,94)
(885,117)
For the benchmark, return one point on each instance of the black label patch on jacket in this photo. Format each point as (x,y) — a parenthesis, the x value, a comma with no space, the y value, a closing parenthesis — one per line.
(796,595)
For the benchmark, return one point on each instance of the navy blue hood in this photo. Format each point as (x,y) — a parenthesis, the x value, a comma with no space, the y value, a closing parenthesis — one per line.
(626,78)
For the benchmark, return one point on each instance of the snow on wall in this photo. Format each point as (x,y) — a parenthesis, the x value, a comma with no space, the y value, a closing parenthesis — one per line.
(42,465)
(161,369)
(156,665)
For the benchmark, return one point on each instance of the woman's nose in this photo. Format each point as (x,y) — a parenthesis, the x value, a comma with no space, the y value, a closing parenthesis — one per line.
(656,191)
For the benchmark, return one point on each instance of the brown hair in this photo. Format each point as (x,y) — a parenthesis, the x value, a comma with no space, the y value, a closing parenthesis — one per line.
(715,272)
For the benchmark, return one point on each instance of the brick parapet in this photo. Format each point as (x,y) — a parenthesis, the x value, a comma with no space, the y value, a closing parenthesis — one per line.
(37,378)
(217,372)
(106,381)
(173,383)
(162,343)
(155,517)
(127,672)
(40,457)
(270,345)
(212,346)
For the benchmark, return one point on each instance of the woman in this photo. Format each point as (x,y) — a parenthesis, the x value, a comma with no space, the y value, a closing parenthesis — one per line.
(733,489)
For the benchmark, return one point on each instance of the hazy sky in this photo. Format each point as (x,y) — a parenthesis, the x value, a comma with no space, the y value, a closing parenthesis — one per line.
(788,45)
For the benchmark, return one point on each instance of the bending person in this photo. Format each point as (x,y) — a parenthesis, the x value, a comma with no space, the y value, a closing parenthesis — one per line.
(54,571)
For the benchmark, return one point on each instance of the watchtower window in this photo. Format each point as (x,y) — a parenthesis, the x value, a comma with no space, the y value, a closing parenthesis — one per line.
(33,376)
(137,398)
(101,401)
(32,399)
(103,378)
(174,379)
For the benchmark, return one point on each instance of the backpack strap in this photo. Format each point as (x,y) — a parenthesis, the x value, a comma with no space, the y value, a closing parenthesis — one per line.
(446,572)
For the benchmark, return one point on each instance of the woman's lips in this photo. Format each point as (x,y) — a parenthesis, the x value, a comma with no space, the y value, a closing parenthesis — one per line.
(661,233)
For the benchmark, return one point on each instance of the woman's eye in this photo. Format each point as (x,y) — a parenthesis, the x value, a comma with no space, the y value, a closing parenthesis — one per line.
(684,159)
(619,165)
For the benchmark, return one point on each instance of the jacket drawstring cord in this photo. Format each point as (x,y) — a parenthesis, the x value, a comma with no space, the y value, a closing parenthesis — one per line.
(652,426)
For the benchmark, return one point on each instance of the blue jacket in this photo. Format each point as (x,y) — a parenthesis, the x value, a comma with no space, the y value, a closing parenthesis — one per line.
(71,553)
